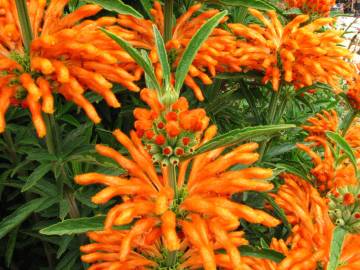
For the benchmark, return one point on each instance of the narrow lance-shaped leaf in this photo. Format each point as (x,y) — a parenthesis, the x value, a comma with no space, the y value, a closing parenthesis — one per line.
(36,175)
(117,6)
(19,215)
(258,4)
(264,253)
(336,247)
(77,226)
(162,54)
(136,55)
(193,47)
(238,135)
(343,145)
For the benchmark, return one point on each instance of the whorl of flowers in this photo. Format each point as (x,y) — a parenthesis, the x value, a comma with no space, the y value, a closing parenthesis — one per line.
(327,172)
(67,55)
(297,53)
(169,134)
(194,215)
(319,7)
(213,56)
(310,240)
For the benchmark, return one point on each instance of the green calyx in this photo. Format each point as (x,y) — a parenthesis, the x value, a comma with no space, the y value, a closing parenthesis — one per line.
(344,208)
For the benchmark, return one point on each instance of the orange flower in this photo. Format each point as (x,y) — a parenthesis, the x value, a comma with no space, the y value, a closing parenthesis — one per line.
(213,56)
(306,55)
(169,134)
(327,121)
(353,136)
(354,92)
(67,55)
(320,7)
(197,217)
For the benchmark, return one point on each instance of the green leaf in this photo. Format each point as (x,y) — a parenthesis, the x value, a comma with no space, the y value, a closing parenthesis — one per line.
(147,5)
(263,253)
(163,58)
(279,212)
(343,145)
(24,23)
(36,175)
(294,170)
(19,215)
(117,6)
(336,247)
(63,245)
(136,55)
(257,4)
(193,47)
(239,135)
(77,226)
(11,243)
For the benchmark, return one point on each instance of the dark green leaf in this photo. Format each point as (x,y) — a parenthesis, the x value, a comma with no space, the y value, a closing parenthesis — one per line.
(239,135)
(264,253)
(163,58)
(77,226)
(11,243)
(136,55)
(257,4)
(19,215)
(343,145)
(117,6)
(63,245)
(36,175)
(193,47)
(336,247)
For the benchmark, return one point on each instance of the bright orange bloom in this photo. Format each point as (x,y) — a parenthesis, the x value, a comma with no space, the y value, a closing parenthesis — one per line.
(320,7)
(310,240)
(327,121)
(68,55)
(169,134)
(296,53)
(197,217)
(354,92)
(213,56)
(353,136)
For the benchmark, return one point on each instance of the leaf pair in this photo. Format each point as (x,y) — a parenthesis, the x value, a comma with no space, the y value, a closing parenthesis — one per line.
(185,62)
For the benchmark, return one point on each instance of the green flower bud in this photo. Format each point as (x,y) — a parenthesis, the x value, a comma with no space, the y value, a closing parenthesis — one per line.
(339,222)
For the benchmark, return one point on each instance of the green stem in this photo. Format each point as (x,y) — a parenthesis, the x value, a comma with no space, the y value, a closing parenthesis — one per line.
(50,138)
(173,178)
(172,257)
(24,23)
(169,11)
(349,118)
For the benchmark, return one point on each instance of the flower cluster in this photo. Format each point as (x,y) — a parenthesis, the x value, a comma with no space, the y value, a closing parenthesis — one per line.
(327,172)
(344,208)
(168,134)
(213,56)
(319,7)
(68,55)
(193,215)
(297,53)
(309,242)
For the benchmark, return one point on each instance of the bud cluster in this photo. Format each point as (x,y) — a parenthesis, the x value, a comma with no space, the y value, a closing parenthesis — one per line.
(169,132)
(344,208)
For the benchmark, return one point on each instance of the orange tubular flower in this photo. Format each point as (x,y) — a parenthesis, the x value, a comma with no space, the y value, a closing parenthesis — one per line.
(306,55)
(327,121)
(354,92)
(194,216)
(312,229)
(68,55)
(213,56)
(320,7)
